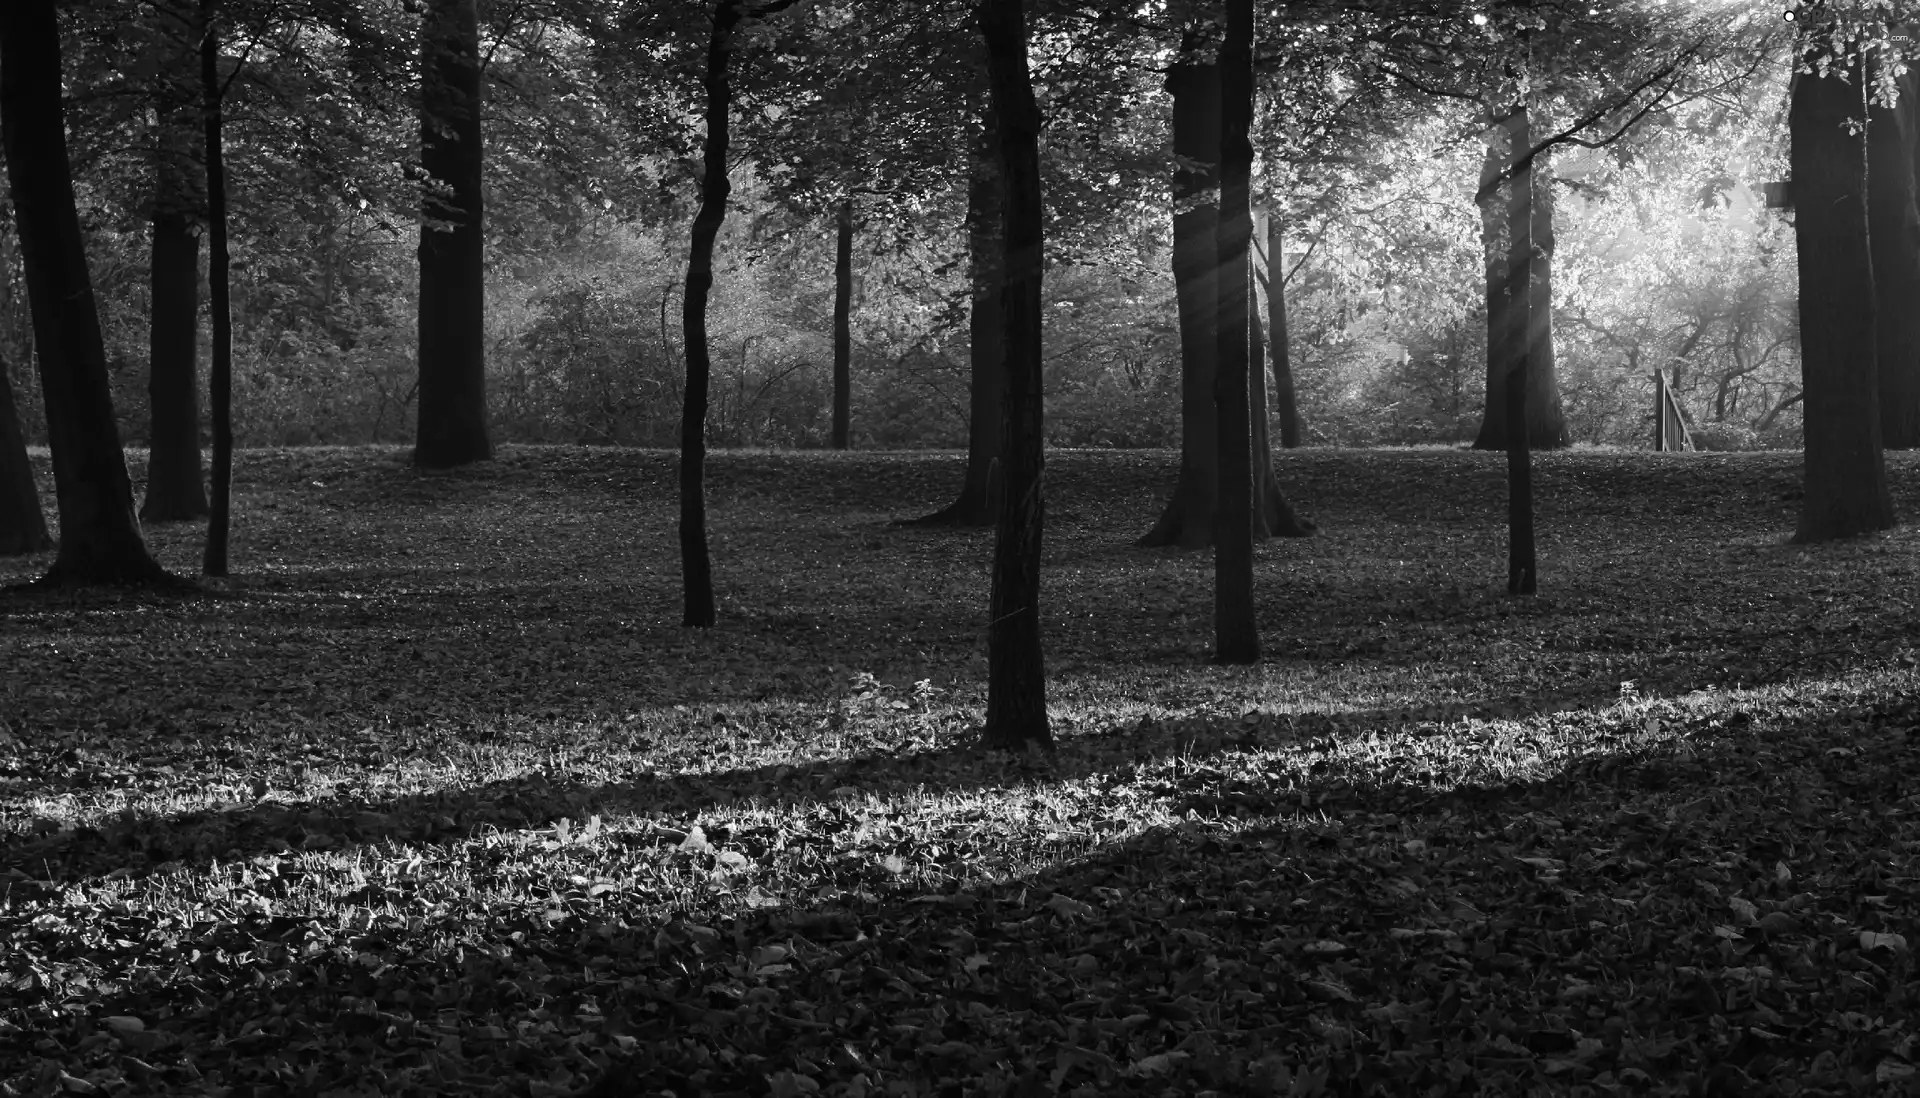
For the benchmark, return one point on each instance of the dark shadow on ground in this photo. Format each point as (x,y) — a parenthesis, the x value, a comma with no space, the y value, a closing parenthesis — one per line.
(538,799)
(1383,938)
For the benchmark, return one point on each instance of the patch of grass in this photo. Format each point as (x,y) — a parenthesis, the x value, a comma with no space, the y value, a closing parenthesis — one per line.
(434,796)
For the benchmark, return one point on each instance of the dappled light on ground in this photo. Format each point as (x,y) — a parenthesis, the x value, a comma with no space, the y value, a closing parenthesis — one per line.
(437,789)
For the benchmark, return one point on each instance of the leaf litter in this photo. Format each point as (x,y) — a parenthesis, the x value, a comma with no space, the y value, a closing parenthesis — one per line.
(435,796)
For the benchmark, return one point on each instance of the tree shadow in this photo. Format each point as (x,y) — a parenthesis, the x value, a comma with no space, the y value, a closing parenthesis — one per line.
(1374,936)
(322,822)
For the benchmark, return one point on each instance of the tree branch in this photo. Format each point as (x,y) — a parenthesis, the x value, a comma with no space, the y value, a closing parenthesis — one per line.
(1566,136)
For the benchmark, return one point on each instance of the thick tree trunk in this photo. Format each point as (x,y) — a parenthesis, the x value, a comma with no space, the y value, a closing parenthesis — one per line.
(453,378)
(696,565)
(1845,473)
(23,529)
(175,491)
(1188,519)
(1494,223)
(978,504)
(100,538)
(842,328)
(1546,419)
(220,376)
(1236,637)
(1546,415)
(1285,405)
(1522,344)
(1893,229)
(1016,674)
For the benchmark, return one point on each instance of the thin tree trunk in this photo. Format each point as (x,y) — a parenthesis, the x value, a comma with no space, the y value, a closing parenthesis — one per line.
(1893,229)
(842,329)
(453,379)
(1521,347)
(978,503)
(1284,400)
(1187,520)
(1236,637)
(1235,634)
(695,563)
(1265,487)
(1016,673)
(100,538)
(1273,516)
(23,529)
(1845,472)
(220,376)
(175,491)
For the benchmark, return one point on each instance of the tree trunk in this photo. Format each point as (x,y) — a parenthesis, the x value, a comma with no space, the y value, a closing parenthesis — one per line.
(1188,519)
(1893,229)
(1521,339)
(842,329)
(1236,638)
(695,564)
(174,488)
(1284,400)
(220,376)
(100,538)
(175,491)
(1265,486)
(1016,674)
(1273,516)
(978,504)
(1546,420)
(1546,416)
(1845,473)
(453,376)
(23,529)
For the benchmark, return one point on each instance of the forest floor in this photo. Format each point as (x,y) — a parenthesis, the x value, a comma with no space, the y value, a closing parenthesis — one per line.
(435,796)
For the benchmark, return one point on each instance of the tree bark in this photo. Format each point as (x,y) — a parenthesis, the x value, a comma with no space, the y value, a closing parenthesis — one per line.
(1546,419)
(453,395)
(1845,472)
(175,491)
(842,328)
(978,503)
(1259,415)
(1284,400)
(1273,516)
(1187,520)
(1236,637)
(695,563)
(1521,338)
(1016,674)
(100,538)
(23,529)
(220,375)
(1546,416)
(1893,229)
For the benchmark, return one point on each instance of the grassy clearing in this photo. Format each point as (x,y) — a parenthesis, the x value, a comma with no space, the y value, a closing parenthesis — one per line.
(435,796)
